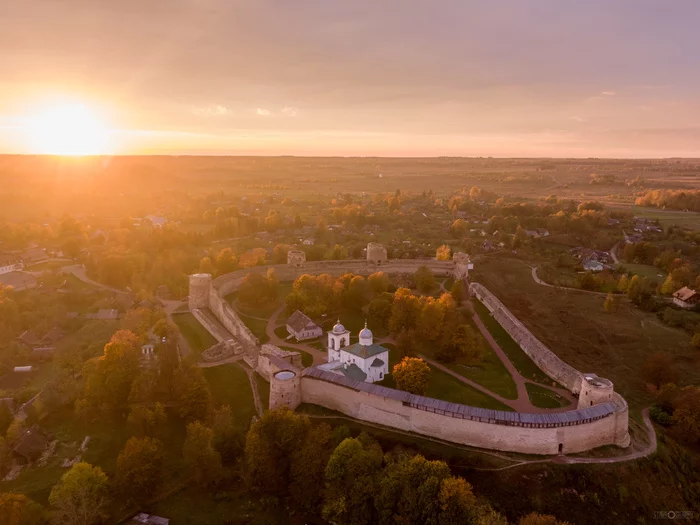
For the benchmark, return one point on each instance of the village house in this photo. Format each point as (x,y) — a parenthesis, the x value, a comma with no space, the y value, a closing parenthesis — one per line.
(34,256)
(591,265)
(686,298)
(19,281)
(30,446)
(10,263)
(157,221)
(302,327)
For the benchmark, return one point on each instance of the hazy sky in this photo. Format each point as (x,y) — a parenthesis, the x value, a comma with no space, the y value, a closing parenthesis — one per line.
(362,77)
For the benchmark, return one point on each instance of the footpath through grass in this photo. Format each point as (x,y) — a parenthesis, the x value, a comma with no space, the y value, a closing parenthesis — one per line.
(517,355)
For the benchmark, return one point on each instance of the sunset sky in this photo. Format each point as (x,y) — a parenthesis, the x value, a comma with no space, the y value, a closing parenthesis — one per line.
(604,78)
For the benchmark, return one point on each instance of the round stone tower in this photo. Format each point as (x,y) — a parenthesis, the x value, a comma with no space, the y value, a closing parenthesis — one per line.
(200,288)
(462,264)
(594,391)
(285,389)
(296,258)
(376,253)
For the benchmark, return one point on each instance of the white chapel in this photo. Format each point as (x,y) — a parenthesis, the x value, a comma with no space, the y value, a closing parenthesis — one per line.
(362,361)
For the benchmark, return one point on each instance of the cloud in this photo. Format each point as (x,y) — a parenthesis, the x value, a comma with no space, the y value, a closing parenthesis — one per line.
(290,112)
(608,93)
(578,119)
(216,110)
(263,112)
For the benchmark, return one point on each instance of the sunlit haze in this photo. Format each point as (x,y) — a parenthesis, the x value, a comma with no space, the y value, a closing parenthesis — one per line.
(560,78)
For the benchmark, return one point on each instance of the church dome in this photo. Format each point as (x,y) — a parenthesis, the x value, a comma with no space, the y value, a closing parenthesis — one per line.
(366,337)
(338,328)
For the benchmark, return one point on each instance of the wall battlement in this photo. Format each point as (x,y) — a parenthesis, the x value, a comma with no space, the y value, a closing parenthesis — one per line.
(603,422)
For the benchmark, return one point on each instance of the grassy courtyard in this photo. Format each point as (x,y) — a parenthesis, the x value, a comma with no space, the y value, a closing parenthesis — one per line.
(198,338)
(517,356)
(257,326)
(543,397)
(306,358)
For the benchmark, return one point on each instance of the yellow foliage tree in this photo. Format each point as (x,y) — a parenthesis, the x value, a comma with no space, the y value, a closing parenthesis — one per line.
(412,375)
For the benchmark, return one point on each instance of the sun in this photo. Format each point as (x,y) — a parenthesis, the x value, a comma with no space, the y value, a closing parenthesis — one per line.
(70,129)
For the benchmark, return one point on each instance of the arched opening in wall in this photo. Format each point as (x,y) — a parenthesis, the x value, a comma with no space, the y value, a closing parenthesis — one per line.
(379,263)
(342,342)
(561,448)
(332,344)
(591,403)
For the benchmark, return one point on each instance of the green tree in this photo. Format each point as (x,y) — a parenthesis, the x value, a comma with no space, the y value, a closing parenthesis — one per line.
(405,311)
(308,466)
(18,509)
(424,279)
(457,291)
(412,375)
(270,445)
(202,459)
(669,286)
(139,471)
(227,440)
(351,482)
(192,392)
(80,497)
(379,312)
(5,419)
(588,281)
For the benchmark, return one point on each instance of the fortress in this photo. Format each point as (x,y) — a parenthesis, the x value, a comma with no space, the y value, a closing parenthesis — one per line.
(601,417)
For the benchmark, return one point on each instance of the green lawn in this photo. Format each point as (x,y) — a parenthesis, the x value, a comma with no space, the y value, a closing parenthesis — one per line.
(644,270)
(543,397)
(669,217)
(490,372)
(319,345)
(257,326)
(194,333)
(281,332)
(444,386)
(263,390)
(517,356)
(229,385)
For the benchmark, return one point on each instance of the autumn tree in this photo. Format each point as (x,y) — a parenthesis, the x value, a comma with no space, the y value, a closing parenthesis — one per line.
(695,341)
(658,369)
(5,418)
(18,509)
(540,519)
(139,471)
(609,304)
(686,414)
(202,459)
(308,466)
(254,257)
(258,290)
(351,481)
(443,253)
(634,289)
(465,345)
(412,375)
(225,261)
(379,312)
(623,283)
(206,266)
(80,497)
(460,228)
(378,283)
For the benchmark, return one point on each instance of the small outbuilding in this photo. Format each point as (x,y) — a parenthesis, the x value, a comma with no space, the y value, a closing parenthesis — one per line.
(30,445)
(302,327)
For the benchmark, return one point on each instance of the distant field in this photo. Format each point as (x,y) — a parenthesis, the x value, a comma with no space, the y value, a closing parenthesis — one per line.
(667,218)
(575,326)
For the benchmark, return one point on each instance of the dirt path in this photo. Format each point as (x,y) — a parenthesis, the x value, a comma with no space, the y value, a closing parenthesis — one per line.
(78,271)
(522,404)
(541,282)
(319,356)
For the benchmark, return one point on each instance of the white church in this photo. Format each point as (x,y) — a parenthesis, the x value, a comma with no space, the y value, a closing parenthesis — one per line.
(363,361)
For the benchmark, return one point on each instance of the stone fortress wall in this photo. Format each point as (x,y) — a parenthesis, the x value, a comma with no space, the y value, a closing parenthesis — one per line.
(570,432)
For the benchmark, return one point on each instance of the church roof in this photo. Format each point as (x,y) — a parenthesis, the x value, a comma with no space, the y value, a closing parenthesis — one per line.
(354,372)
(298,321)
(364,351)
(377,363)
